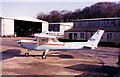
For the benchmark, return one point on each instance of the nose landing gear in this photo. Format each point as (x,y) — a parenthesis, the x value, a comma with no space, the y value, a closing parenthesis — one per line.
(44,55)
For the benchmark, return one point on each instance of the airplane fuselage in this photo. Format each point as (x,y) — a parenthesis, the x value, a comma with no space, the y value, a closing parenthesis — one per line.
(33,45)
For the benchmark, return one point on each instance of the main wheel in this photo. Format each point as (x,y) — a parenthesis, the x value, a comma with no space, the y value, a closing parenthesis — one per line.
(26,54)
(43,55)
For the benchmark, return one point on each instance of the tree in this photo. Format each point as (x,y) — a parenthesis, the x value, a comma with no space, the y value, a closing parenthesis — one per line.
(42,16)
(86,13)
(105,9)
(68,17)
(55,16)
(118,12)
(76,14)
(98,10)
(101,9)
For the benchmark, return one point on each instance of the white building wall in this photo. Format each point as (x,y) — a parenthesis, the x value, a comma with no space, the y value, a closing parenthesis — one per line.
(87,35)
(65,26)
(8,27)
(44,26)
(78,35)
(62,28)
(0,26)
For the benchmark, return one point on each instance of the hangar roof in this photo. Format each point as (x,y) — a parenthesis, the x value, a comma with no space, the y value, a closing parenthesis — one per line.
(96,19)
(24,18)
(66,23)
(94,29)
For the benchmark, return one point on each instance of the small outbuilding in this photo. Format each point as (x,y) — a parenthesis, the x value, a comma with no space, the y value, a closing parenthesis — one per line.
(60,27)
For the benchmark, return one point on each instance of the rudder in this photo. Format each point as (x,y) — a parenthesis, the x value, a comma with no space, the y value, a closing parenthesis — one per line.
(94,40)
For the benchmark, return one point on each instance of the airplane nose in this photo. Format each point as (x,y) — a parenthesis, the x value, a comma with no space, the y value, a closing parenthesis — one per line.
(18,42)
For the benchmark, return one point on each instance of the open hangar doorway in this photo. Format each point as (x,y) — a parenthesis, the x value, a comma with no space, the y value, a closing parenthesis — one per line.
(26,28)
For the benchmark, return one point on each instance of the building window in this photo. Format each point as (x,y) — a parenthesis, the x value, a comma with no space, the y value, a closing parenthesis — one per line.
(82,35)
(91,34)
(117,22)
(70,35)
(109,36)
(75,36)
(54,27)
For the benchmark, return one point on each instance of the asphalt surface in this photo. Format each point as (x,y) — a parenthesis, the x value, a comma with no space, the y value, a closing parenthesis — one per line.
(100,62)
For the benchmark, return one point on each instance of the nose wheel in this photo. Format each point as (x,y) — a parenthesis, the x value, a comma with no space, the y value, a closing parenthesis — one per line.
(44,55)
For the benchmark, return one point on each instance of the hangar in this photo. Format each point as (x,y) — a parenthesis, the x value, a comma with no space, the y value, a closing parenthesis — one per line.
(21,26)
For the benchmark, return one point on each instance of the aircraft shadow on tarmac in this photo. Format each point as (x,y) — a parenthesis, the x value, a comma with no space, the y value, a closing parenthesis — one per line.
(63,56)
(66,56)
(16,53)
(10,53)
(88,70)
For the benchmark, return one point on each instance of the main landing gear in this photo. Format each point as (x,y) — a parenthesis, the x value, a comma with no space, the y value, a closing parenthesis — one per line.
(27,54)
(44,55)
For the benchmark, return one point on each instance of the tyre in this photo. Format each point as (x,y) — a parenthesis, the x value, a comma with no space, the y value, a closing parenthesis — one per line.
(26,54)
(43,57)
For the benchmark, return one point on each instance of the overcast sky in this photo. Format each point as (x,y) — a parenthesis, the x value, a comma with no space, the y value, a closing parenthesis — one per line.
(32,7)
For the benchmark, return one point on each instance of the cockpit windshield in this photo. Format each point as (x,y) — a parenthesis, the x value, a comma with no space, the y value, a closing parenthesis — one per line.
(42,40)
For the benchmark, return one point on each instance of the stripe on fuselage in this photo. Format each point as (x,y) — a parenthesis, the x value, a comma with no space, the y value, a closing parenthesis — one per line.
(43,43)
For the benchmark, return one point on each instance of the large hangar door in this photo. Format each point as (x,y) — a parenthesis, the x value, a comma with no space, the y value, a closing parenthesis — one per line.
(26,28)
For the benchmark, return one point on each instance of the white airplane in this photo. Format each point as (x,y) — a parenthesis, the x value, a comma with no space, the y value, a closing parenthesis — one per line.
(46,43)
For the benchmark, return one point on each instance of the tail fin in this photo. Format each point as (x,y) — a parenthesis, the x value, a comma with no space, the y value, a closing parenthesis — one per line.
(94,40)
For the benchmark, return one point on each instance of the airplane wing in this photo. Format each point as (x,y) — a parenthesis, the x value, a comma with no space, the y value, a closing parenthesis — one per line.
(44,36)
(49,37)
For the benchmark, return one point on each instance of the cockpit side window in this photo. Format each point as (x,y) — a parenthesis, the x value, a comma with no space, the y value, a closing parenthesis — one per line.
(42,40)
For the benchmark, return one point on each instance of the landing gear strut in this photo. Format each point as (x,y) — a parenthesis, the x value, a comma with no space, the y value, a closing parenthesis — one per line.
(44,55)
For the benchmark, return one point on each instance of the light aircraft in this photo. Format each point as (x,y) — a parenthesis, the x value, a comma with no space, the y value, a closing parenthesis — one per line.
(46,43)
